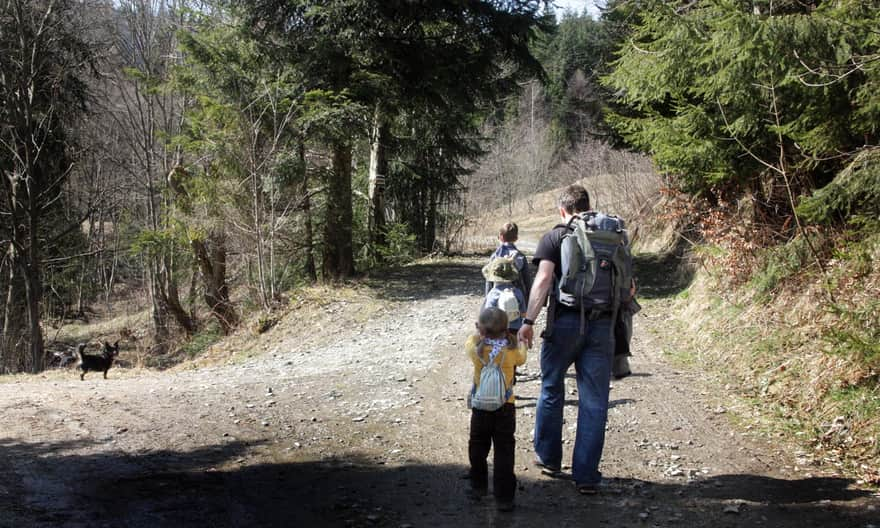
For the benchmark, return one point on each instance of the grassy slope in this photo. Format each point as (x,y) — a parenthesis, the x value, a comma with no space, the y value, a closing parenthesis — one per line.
(807,365)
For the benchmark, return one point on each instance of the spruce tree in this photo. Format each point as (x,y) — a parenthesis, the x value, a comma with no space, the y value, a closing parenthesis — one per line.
(730,96)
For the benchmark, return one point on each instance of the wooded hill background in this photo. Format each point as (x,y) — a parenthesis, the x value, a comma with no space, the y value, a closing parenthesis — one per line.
(202,158)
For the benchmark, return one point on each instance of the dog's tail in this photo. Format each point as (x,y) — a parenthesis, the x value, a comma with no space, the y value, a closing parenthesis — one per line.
(79,351)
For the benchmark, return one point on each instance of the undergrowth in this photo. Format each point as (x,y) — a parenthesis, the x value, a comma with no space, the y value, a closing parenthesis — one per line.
(779,264)
(202,340)
(809,364)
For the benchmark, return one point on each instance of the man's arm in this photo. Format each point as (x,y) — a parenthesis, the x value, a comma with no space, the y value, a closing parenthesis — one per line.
(540,288)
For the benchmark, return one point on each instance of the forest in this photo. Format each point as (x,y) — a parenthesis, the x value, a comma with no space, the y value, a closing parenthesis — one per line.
(198,159)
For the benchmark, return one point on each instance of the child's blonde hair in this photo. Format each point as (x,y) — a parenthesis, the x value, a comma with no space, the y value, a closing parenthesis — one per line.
(493,322)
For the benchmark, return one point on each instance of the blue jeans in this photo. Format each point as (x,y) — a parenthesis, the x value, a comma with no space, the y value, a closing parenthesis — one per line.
(592,355)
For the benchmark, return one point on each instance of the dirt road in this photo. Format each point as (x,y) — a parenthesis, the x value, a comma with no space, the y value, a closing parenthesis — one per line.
(353,420)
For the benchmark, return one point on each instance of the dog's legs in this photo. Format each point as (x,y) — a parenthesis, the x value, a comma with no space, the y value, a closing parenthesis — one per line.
(82,376)
(105,374)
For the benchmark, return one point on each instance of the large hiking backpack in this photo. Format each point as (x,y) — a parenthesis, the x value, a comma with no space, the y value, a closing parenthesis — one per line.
(596,264)
(492,392)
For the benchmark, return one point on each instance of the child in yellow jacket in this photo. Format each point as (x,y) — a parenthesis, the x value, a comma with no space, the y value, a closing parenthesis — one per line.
(494,344)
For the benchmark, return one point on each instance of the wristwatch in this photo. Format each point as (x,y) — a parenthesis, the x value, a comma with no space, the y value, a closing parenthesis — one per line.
(527,321)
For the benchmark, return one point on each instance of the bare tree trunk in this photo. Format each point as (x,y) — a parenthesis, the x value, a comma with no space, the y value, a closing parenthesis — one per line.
(310,268)
(378,173)
(157,309)
(257,211)
(172,298)
(338,261)
(273,289)
(431,221)
(33,294)
(109,276)
(12,330)
(213,266)
(32,273)
(192,295)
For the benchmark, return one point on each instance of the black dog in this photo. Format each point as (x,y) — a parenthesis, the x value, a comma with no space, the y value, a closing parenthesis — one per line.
(100,363)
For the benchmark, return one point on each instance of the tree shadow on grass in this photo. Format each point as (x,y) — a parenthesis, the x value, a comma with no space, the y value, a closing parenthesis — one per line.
(70,485)
(664,274)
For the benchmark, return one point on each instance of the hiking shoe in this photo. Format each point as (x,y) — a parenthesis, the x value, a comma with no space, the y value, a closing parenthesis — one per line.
(505,505)
(621,368)
(587,489)
(548,470)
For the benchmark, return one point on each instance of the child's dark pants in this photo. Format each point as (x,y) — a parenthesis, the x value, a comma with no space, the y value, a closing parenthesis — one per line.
(498,428)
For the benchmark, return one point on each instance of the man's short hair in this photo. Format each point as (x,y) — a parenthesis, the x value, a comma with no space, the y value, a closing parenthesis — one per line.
(574,199)
(494,322)
(509,232)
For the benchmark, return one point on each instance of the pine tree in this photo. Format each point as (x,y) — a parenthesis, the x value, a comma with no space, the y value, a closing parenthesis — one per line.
(394,57)
(43,61)
(724,95)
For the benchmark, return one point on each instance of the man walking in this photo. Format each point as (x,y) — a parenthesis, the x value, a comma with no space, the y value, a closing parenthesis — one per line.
(580,336)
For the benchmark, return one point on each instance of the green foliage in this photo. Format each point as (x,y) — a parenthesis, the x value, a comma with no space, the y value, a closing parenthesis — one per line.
(150,84)
(400,245)
(855,191)
(202,340)
(857,250)
(45,60)
(574,55)
(431,149)
(778,264)
(155,242)
(857,337)
(425,69)
(858,403)
(718,90)
(330,116)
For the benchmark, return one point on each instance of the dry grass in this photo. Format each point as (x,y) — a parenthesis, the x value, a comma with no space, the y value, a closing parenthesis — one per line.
(103,327)
(780,350)
(627,197)
(310,311)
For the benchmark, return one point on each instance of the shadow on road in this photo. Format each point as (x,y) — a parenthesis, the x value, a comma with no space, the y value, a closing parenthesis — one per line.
(214,486)
(441,278)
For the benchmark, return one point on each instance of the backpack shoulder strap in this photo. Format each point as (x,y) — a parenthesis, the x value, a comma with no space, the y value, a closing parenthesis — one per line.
(478,350)
(501,356)
(508,392)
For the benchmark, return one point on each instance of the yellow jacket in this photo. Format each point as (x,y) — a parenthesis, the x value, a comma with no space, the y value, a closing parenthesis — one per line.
(513,357)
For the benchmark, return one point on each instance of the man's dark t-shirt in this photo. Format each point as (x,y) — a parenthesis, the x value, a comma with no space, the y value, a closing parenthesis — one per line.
(549,248)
